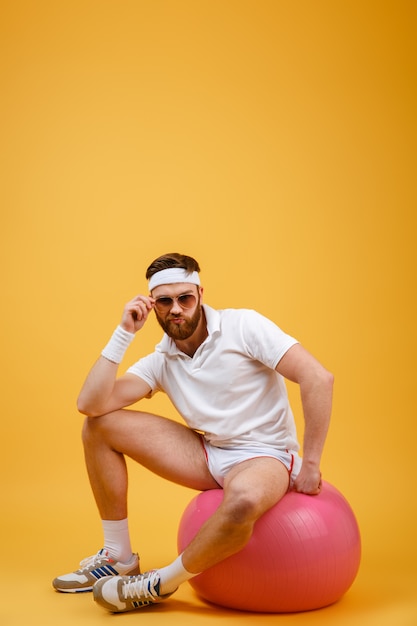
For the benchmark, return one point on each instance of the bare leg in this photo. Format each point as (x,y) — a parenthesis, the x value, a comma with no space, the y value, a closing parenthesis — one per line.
(174,452)
(165,447)
(250,489)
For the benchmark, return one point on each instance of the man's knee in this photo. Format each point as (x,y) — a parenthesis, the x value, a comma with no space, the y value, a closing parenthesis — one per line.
(94,427)
(242,506)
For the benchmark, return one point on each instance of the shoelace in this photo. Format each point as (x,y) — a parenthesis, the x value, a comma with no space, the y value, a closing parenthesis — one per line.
(141,588)
(90,561)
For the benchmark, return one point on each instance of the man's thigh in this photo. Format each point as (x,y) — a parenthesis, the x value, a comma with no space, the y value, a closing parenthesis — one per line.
(163,446)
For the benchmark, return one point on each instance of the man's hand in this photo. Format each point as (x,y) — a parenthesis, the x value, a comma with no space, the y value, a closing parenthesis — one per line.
(136,313)
(308,481)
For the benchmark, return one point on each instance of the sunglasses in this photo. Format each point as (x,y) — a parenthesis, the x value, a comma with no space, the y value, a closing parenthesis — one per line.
(165,303)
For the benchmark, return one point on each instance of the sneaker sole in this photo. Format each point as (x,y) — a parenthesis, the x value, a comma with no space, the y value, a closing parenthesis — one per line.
(85,590)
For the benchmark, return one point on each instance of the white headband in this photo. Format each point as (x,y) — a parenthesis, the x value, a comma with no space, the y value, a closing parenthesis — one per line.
(173,275)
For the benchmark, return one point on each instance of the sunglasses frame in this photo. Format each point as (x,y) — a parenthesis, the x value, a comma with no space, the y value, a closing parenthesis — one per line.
(162,308)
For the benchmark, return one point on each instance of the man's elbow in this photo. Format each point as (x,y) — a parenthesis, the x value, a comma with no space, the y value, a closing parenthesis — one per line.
(83,409)
(87,409)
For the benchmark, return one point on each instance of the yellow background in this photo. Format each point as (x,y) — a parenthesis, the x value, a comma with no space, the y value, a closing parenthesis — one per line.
(275,142)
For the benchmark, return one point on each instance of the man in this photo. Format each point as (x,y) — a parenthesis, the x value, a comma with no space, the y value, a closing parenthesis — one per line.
(224,372)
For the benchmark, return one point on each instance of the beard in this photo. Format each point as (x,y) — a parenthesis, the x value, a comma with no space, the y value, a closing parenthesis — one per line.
(180,331)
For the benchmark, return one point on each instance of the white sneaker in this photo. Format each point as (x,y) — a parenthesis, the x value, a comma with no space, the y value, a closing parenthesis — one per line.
(92,569)
(127,593)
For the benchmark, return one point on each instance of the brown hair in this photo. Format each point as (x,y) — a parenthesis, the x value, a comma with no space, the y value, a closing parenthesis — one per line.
(172,260)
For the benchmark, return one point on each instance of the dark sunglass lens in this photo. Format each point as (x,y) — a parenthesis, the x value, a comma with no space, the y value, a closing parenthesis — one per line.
(164,303)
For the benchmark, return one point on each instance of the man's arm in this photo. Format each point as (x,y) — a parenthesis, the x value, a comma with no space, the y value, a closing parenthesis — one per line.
(316,389)
(102,392)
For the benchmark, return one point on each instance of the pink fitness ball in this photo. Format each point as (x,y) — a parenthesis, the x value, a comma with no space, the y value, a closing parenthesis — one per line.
(304,554)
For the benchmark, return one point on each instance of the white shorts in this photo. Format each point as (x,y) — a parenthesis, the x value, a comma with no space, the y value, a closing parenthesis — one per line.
(221,460)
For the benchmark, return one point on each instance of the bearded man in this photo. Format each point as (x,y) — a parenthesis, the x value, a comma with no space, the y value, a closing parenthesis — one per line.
(224,371)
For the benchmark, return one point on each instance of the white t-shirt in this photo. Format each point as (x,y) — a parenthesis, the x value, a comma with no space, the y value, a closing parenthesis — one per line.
(229,390)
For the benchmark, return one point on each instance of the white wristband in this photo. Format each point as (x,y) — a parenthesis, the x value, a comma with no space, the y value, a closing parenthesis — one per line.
(118,344)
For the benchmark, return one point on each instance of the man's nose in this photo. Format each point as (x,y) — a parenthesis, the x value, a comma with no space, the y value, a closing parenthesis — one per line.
(175,306)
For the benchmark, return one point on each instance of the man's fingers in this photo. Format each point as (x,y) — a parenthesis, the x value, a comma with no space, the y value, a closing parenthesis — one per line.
(140,307)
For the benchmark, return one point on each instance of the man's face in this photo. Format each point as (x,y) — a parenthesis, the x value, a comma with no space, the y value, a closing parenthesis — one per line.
(178,309)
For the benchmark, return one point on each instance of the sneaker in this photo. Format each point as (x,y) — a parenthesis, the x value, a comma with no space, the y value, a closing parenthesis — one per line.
(127,593)
(92,569)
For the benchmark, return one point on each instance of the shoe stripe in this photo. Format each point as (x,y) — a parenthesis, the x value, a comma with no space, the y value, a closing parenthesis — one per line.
(137,604)
(99,573)
(107,570)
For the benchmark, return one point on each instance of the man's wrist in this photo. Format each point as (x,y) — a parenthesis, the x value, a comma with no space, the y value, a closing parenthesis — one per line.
(119,342)
(311,462)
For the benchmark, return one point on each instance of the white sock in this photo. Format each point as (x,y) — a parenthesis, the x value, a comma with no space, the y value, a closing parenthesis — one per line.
(117,539)
(173,575)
